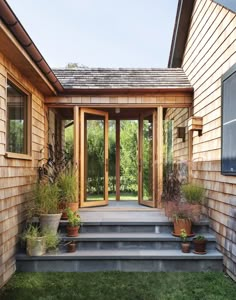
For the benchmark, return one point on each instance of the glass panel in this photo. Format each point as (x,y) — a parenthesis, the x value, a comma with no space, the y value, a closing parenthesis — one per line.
(16,120)
(128,160)
(112,160)
(94,157)
(147,159)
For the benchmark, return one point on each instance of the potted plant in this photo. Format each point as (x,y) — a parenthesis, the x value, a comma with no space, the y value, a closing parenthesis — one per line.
(67,185)
(38,242)
(194,195)
(35,241)
(46,201)
(71,246)
(185,246)
(171,191)
(73,223)
(199,243)
(182,220)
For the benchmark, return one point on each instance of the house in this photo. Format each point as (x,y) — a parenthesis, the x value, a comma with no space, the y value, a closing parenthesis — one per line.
(36,101)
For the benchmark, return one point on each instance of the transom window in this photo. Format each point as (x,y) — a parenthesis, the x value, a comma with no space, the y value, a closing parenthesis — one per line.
(228,161)
(17,116)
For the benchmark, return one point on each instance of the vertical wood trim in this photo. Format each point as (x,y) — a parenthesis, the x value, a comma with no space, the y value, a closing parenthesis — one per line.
(82,200)
(154,157)
(76,147)
(140,151)
(106,159)
(117,160)
(190,149)
(159,154)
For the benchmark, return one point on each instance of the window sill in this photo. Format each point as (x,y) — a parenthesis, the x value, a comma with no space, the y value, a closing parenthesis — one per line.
(18,156)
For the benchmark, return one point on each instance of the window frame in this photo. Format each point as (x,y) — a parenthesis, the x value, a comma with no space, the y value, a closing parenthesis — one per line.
(224,77)
(28,119)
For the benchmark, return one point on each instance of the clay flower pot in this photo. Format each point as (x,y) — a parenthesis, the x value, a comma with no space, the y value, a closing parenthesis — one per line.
(180,224)
(71,247)
(72,231)
(185,246)
(199,246)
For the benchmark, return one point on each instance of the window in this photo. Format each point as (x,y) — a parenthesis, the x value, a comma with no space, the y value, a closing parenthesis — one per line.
(228,159)
(17,120)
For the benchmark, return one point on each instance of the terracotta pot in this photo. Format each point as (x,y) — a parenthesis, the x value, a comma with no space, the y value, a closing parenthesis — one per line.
(199,246)
(72,231)
(71,247)
(185,247)
(74,206)
(182,224)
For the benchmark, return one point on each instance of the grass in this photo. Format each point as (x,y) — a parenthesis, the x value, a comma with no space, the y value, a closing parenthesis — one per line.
(112,196)
(117,285)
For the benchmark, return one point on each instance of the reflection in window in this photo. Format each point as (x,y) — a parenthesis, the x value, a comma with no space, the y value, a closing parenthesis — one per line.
(16,120)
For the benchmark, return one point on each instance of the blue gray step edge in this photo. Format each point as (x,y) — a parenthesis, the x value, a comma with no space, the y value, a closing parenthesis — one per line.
(121,222)
(123,255)
(117,236)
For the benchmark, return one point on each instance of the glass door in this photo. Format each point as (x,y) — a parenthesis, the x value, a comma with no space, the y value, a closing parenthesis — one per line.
(94,157)
(147,152)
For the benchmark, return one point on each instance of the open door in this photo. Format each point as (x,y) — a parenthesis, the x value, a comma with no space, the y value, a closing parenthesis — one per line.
(93,164)
(147,146)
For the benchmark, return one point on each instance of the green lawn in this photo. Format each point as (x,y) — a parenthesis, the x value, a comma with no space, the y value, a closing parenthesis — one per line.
(119,286)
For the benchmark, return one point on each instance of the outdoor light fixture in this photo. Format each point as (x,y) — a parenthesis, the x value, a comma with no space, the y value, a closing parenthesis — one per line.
(181,133)
(117,110)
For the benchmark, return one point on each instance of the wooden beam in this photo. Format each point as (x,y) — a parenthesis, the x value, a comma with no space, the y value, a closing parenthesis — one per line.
(159,155)
(76,146)
(117,160)
(190,149)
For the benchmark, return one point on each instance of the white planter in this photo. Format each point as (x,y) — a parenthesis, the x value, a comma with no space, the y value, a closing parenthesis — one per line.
(36,246)
(50,222)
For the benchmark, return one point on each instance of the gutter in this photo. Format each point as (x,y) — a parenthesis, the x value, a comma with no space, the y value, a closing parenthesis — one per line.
(16,28)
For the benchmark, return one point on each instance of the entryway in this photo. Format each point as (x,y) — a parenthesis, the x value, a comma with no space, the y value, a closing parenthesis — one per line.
(102,165)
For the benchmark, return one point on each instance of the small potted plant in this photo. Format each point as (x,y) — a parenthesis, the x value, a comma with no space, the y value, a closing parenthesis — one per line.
(182,220)
(71,246)
(35,241)
(73,223)
(185,246)
(67,185)
(46,202)
(194,195)
(38,242)
(199,243)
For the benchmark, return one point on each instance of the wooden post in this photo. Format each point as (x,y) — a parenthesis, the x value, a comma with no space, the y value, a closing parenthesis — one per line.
(159,155)
(76,147)
(117,160)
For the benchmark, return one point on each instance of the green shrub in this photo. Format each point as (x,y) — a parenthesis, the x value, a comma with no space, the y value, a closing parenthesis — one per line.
(46,198)
(67,187)
(194,194)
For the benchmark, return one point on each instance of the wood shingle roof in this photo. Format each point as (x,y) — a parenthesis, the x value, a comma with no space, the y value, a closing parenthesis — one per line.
(122,78)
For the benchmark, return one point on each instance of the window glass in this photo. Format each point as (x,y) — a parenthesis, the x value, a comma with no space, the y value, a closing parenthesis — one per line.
(229,125)
(16,120)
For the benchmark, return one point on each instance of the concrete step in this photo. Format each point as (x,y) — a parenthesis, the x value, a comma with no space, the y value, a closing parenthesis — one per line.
(121,260)
(138,226)
(117,240)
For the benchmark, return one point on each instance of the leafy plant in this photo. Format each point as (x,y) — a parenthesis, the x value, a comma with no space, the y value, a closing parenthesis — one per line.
(200,238)
(194,194)
(31,232)
(171,186)
(52,240)
(183,235)
(67,186)
(46,198)
(73,218)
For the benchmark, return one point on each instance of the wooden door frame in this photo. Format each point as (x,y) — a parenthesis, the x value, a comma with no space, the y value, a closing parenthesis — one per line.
(84,203)
(150,203)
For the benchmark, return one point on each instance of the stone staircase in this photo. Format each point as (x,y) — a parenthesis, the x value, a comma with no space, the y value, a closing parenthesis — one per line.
(125,240)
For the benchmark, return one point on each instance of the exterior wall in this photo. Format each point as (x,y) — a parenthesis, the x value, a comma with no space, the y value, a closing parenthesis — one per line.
(210,52)
(16,175)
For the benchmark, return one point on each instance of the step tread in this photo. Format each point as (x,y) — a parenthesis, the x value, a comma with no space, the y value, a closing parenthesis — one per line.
(124,254)
(118,236)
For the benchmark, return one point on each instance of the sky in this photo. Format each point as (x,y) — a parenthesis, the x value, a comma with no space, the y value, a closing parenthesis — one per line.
(100,33)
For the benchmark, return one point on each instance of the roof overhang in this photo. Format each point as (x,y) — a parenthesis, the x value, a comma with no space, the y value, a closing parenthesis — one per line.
(180,34)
